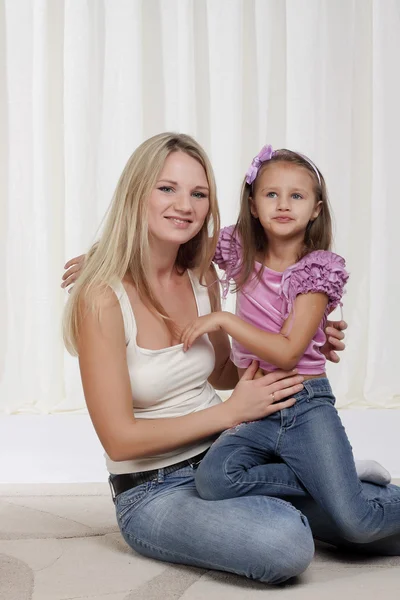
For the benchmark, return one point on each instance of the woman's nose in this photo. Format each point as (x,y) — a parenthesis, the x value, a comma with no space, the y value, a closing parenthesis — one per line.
(182,202)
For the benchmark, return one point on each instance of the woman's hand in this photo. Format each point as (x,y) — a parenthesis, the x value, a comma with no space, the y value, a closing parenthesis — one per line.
(74,267)
(334,335)
(256,397)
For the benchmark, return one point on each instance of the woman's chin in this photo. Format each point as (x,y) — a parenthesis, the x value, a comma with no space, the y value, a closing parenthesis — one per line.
(176,238)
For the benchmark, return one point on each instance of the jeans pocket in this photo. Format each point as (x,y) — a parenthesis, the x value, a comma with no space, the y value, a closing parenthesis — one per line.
(128,500)
(323,397)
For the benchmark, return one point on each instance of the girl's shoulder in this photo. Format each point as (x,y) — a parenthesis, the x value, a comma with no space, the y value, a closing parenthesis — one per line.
(319,258)
(229,247)
(319,271)
(230,234)
(228,255)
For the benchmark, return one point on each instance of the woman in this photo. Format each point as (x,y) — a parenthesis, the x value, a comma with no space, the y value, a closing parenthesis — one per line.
(140,285)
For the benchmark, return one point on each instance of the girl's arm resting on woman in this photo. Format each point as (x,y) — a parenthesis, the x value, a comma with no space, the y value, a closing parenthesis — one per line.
(108,394)
(279,349)
(226,371)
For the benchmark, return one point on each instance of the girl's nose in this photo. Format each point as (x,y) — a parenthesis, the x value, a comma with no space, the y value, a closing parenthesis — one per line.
(283,203)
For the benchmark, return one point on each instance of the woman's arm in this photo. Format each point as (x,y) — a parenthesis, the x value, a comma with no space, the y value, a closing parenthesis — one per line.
(281,349)
(108,393)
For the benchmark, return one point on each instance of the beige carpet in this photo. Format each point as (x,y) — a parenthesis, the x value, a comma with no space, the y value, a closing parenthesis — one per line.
(60,542)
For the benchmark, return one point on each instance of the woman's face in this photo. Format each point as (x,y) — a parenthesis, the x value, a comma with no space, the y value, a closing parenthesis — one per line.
(179,202)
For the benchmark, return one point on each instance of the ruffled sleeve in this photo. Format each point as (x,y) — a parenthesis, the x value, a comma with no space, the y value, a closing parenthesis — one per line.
(228,255)
(319,271)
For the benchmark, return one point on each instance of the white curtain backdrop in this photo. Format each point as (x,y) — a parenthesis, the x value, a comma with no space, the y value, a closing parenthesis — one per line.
(83,82)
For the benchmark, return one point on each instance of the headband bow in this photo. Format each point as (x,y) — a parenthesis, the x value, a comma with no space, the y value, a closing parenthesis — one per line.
(266,153)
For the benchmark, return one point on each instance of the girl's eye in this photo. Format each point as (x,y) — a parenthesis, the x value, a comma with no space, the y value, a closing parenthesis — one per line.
(297,196)
(271,195)
(165,188)
(199,195)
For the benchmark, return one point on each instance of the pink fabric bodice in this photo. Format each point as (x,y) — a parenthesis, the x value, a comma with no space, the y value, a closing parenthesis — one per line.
(267,303)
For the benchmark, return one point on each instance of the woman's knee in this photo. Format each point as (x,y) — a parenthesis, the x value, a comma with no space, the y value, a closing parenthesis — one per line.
(281,550)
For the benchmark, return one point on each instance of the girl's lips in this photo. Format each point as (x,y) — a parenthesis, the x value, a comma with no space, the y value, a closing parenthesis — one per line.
(283,219)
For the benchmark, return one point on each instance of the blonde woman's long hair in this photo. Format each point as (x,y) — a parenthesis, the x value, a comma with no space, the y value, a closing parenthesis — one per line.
(123,245)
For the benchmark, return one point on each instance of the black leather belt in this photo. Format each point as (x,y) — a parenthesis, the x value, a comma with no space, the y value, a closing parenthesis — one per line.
(127,481)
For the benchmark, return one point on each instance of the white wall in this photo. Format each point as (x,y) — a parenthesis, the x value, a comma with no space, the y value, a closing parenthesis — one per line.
(64,448)
(83,83)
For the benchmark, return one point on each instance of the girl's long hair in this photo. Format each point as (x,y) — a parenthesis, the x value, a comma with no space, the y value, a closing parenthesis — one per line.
(123,245)
(318,235)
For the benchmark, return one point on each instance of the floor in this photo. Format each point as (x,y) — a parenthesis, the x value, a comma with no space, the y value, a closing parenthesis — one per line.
(60,542)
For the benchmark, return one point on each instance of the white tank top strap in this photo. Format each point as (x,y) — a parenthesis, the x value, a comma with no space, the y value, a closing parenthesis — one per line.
(201,294)
(126,309)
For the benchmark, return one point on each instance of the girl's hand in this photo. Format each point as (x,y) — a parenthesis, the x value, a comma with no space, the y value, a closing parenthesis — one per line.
(255,398)
(212,322)
(334,335)
(74,267)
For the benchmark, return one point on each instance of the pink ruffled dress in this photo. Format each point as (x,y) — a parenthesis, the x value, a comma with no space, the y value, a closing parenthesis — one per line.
(267,303)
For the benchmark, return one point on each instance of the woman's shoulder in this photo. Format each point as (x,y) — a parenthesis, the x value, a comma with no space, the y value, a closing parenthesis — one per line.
(100,296)
(99,315)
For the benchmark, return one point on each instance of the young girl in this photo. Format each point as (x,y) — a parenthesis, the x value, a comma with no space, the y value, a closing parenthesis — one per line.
(288,281)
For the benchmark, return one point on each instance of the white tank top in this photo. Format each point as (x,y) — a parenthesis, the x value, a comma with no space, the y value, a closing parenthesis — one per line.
(167,382)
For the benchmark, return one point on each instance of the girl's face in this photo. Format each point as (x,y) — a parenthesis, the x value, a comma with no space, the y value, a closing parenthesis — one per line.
(284,200)
(179,202)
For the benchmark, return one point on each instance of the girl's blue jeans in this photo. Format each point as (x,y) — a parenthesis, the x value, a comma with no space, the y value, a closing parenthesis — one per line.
(318,462)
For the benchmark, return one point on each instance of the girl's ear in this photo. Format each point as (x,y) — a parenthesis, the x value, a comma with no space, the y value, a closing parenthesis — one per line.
(253,208)
(316,211)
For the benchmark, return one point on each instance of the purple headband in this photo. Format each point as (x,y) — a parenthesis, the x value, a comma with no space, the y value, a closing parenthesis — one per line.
(266,153)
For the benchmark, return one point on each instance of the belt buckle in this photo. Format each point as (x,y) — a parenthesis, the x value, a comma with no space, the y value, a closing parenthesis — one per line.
(113,494)
(196,463)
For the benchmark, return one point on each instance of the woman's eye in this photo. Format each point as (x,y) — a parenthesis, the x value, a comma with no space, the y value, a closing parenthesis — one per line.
(165,188)
(199,195)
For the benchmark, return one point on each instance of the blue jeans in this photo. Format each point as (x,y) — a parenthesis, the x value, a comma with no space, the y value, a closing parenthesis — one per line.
(318,462)
(262,538)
